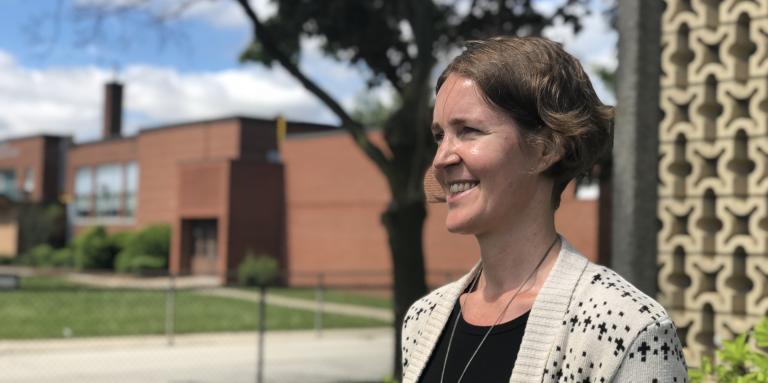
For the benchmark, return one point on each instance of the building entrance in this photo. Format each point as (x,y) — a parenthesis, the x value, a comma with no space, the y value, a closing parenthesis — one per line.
(202,236)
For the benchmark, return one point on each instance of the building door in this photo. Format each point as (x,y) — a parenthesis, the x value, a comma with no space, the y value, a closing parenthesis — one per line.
(203,246)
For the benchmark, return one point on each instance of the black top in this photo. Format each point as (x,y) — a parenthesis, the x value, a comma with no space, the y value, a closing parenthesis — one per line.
(493,362)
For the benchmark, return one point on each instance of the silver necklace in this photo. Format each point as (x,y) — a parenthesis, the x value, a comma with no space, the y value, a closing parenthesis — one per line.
(501,314)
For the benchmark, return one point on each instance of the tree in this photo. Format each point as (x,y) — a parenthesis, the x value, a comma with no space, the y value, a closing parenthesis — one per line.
(400,42)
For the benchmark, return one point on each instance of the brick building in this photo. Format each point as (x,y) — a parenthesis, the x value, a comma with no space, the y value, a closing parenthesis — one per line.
(225,186)
(30,174)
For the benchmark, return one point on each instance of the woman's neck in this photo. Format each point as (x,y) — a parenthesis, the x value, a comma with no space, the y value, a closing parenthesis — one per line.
(510,256)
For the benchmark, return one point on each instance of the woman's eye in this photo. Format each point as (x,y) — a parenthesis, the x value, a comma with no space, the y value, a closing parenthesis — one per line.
(438,136)
(467,130)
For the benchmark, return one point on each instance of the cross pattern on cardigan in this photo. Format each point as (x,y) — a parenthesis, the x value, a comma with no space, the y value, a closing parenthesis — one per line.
(587,324)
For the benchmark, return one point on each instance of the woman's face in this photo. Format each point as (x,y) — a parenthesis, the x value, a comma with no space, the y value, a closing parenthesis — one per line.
(489,174)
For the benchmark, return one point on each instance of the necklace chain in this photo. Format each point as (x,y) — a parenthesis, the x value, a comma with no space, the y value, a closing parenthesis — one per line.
(501,314)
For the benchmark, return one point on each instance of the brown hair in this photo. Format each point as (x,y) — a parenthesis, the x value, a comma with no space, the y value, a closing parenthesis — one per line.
(546,91)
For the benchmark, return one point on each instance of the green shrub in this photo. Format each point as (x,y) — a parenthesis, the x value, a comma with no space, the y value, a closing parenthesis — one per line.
(63,257)
(738,362)
(140,263)
(119,240)
(40,255)
(257,270)
(94,250)
(6,259)
(47,256)
(145,250)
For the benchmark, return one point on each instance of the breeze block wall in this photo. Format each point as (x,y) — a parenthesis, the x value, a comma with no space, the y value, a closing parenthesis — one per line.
(713,169)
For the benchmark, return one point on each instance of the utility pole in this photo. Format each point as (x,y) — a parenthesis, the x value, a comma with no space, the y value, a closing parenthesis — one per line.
(635,154)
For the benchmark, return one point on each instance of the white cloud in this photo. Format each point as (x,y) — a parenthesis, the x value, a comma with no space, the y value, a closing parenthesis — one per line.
(219,13)
(229,14)
(69,100)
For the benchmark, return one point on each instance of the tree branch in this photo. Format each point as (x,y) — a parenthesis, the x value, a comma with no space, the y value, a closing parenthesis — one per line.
(347,123)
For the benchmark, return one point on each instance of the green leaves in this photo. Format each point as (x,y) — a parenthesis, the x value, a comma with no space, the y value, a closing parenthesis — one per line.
(255,53)
(761,333)
(737,361)
(257,270)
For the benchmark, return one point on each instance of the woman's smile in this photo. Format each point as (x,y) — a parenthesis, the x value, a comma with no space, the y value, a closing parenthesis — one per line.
(459,189)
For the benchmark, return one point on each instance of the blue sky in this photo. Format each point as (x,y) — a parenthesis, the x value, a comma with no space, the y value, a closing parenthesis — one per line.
(51,77)
(195,43)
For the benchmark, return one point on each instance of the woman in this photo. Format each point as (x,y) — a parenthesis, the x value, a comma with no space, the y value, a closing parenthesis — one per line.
(515,120)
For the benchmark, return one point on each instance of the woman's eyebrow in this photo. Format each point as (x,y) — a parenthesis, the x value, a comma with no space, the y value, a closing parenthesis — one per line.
(455,121)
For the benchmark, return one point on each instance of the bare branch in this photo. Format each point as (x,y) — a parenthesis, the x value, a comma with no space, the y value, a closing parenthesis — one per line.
(347,123)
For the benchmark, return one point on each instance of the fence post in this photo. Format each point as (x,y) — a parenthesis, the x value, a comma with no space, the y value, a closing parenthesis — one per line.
(170,309)
(319,299)
(262,330)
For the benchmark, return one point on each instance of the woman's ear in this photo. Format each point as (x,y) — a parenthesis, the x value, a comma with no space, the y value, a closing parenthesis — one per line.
(547,154)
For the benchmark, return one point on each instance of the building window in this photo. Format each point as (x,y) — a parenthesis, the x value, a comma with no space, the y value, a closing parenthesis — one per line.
(131,187)
(84,191)
(588,188)
(29,181)
(8,184)
(109,190)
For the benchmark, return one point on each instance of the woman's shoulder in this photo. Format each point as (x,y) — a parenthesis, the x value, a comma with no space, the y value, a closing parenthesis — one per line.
(424,306)
(604,292)
(599,294)
(631,335)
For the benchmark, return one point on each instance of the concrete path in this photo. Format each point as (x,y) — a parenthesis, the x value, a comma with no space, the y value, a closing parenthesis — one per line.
(302,304)
(210,286)
(110,280)
(295,356)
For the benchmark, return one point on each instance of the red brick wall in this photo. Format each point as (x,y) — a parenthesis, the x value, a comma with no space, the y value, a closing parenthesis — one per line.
(161,151)
(334,198)
(40,153)
(578,221)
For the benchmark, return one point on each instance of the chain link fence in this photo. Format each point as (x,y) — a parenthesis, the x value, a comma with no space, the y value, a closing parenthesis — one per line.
(74,327)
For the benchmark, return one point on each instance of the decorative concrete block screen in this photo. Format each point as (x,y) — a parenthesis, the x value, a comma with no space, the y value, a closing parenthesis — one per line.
(713,169)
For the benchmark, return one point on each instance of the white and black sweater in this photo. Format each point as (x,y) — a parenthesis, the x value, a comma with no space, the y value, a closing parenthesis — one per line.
(587,324)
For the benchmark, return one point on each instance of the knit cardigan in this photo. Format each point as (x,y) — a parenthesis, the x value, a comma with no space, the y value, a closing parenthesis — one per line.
(587,324)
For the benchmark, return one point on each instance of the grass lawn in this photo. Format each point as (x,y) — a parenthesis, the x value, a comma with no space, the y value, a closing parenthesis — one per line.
(44,307)
(335,296)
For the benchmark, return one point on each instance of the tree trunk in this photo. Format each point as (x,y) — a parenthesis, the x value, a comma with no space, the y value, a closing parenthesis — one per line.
(404,224)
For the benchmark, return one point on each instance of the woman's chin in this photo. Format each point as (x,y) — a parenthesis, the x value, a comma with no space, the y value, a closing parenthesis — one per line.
(460,227)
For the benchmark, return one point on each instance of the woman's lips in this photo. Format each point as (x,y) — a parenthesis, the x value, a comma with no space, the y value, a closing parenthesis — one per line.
(458,190)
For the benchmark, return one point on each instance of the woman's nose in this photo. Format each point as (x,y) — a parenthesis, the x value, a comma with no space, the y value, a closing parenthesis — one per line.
(445,156)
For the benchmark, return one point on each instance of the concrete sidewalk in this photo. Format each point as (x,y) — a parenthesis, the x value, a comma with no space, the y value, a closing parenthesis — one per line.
(302,304)
(109,280)
(290,356)
(210,286)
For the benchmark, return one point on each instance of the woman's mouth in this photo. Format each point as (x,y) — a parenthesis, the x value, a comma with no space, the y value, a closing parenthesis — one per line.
(455,188)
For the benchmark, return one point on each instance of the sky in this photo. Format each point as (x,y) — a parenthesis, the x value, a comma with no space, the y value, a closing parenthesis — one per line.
(52,69)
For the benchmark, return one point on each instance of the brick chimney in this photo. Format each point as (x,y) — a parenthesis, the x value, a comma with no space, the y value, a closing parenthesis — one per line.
(113,110)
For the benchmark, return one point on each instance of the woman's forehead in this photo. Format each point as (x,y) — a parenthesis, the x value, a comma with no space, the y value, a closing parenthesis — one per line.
(461,101)
(459,97)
